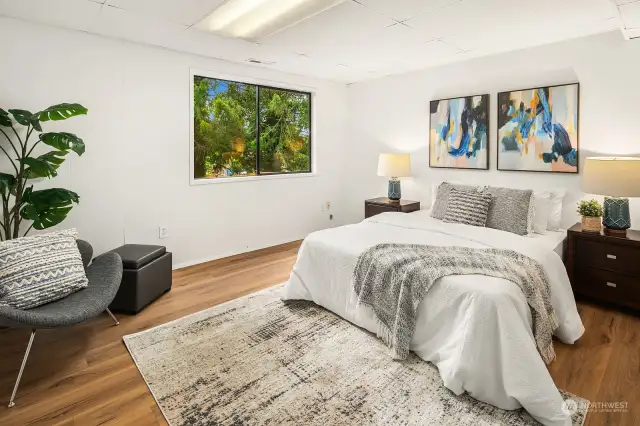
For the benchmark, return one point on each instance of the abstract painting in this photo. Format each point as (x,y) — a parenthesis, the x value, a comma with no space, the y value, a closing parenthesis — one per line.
(538,129)
(458,136)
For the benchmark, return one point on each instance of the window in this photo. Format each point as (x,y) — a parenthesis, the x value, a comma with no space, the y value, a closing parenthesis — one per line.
(242,129)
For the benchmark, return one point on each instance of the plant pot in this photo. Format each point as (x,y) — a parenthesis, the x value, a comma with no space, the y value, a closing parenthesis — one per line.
(591,223)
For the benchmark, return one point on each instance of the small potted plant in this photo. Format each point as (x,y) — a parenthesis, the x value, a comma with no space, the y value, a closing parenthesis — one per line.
(591,212)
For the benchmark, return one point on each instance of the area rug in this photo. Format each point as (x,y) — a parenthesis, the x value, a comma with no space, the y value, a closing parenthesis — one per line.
(259,361)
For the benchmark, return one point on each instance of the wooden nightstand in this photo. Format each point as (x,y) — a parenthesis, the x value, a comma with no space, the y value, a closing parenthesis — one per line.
(604,267)
(383,204)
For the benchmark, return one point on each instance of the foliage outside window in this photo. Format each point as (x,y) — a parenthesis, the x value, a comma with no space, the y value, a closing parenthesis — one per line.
(243,129)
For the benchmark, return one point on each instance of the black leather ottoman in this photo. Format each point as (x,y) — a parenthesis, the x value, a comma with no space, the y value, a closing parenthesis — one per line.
(146,276)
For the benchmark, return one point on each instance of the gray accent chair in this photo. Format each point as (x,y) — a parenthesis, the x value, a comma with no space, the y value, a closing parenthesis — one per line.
(104,274)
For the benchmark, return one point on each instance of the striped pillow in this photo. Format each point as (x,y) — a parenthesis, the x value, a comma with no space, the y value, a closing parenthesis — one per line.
(469,208)
(40,269)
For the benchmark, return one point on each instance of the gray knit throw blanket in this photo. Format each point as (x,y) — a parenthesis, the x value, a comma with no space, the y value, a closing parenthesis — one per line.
(394,278)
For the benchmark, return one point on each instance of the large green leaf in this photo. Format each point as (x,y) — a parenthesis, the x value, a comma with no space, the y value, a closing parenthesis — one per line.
(26,118)
(6,182)
(55,158)
(64,141)
(41,166)
(21,116)
(61,112)
(35,122)
(25,194)
(5,121)
(48,207)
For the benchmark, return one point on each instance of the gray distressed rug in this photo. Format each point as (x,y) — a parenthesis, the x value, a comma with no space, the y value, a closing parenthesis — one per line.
(258,361)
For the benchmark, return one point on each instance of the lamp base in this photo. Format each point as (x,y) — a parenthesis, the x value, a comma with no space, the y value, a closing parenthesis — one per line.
(621,233)
(394,193)
(616,215)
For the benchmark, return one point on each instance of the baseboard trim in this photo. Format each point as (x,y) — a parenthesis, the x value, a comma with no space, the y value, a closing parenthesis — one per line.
(200,261)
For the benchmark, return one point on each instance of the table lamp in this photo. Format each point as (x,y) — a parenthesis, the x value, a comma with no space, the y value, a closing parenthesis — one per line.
(394,166)
(616,178)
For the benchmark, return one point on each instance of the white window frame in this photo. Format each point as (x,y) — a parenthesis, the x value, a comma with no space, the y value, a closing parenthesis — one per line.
(261,82)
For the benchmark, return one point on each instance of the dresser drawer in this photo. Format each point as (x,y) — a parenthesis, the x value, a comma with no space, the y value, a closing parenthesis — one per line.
(609,286)
(616,257)
(374,209)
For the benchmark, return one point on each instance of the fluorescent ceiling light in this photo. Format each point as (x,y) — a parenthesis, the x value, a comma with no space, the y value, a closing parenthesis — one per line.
(257,19)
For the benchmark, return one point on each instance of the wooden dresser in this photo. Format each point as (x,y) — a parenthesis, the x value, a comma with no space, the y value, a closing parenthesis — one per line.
(383,204)
(604,267)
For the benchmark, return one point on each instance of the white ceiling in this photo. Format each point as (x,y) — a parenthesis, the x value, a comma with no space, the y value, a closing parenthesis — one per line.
(629,13)
(354,41)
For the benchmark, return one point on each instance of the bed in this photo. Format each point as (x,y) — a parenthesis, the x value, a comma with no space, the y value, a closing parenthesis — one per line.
(475,329)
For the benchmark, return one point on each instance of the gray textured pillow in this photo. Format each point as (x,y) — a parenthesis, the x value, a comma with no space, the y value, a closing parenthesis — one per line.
(511,210)
(442,197)
(40,269)
(468,207)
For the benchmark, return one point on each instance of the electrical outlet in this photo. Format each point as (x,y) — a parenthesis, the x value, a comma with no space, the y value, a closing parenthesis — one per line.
(163,232)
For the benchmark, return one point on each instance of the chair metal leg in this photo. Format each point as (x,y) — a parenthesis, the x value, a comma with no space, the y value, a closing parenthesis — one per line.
(24,362)
(113,317)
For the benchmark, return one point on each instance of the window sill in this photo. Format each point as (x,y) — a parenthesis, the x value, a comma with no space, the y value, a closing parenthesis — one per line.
(197,182)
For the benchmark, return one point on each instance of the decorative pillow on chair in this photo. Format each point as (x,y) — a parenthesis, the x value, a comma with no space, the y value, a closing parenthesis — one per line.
(467,207)
(40,269)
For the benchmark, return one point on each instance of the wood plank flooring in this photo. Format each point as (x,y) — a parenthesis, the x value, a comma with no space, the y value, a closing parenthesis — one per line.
(85,376)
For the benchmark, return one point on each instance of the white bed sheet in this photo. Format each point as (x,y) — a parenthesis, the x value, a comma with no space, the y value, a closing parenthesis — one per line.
(553,240)
(475,329)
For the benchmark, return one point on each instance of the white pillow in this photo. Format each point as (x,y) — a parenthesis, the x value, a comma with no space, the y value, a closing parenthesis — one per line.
(555,209)
(542,204)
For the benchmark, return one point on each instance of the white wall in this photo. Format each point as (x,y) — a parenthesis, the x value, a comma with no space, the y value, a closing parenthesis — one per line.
(135,173)
(392,115)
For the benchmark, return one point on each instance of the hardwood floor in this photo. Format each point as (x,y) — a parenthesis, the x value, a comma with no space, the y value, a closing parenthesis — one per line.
(85,376)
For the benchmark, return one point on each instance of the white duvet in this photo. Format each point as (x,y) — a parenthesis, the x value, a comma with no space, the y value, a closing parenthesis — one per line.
(475,329)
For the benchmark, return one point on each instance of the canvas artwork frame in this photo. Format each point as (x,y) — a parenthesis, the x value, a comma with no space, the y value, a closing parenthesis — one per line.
(456,142)
(546,139)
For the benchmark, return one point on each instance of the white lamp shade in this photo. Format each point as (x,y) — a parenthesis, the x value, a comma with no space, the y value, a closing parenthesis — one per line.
(612,176)
(394,165)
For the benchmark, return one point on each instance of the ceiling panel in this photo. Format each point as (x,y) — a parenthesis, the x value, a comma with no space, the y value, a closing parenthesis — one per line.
(76,14)
(503,32)
(503,18)
(385,47)
(633,33)
(451,19)
(404,9)
(357,40)
(186,12)
(631,14)
(213,45)
(127,25)
(488,43)
(346,21)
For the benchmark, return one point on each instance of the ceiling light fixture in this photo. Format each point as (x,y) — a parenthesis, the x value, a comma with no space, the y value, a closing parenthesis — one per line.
(255,20)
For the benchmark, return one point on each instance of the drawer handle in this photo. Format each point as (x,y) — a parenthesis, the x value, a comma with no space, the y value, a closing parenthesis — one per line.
(614,285)
(611,256)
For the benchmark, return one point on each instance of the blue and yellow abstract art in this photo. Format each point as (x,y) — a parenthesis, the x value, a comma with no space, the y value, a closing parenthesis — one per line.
(458,135)
(538,129)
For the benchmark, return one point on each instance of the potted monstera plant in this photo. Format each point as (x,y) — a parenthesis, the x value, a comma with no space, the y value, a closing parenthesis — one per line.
(20,202)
